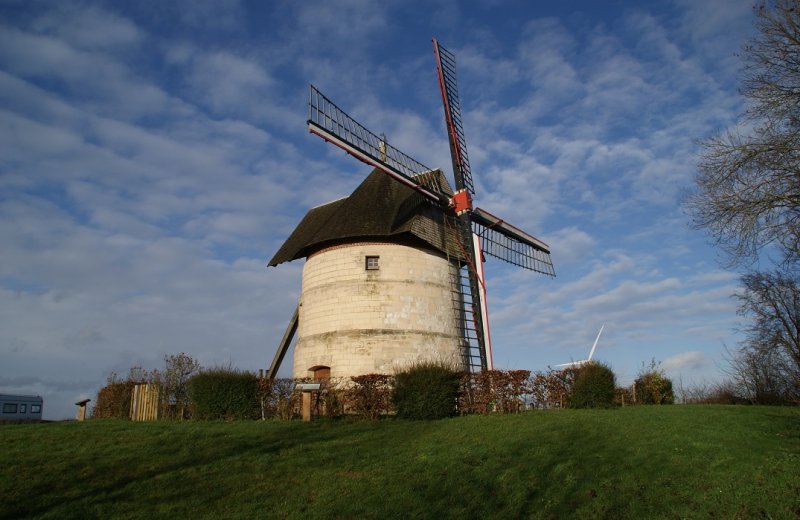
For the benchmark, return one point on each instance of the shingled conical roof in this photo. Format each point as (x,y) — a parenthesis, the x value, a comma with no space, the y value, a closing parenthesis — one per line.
(379,208)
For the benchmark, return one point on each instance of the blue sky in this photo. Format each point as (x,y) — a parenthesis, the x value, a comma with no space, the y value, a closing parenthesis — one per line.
(155,156)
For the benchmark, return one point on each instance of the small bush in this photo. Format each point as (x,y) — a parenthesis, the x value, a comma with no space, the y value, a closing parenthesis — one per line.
(223,393)
(114,401)
(426,391)
(593,387)
(653,386)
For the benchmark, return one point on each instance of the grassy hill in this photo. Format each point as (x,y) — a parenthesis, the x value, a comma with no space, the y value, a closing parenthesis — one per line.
(634,462)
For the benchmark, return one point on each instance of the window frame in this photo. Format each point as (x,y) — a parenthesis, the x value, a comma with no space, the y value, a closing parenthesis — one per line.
(36,408)
(372,262)
(7,408)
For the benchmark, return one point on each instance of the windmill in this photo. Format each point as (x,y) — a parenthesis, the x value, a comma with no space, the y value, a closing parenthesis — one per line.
(591,353)
(398,263)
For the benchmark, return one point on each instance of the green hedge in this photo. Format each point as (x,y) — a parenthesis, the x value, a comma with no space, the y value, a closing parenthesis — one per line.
(593,387)
(223,393)
(426,391)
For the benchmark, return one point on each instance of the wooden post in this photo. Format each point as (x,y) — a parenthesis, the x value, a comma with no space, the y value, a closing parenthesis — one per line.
(306,406)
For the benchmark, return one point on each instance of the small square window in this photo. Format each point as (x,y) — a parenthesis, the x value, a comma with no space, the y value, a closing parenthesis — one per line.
(10,408)
(36,408)
(372,263)
(23,408)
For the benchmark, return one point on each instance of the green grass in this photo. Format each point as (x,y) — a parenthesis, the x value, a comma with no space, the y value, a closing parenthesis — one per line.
(635,462)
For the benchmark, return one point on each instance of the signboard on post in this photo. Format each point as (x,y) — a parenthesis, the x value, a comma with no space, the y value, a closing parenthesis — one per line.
(307,389)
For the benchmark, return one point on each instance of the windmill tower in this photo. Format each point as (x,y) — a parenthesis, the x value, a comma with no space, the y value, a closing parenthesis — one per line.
(394,272)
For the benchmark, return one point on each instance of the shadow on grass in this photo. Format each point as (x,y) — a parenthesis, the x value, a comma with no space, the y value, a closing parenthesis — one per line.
(82,470)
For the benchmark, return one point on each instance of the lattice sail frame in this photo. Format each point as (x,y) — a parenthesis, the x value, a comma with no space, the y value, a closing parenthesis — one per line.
(334,125)
(508,243)
(446,68)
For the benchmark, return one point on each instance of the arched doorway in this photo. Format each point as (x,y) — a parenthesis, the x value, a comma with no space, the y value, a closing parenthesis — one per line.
(319,372)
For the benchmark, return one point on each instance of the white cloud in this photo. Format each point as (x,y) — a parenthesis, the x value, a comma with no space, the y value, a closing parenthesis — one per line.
(544,54)
(343,23)
(571,244)
(685,360)
(230,82)
(227,15)
(88,27)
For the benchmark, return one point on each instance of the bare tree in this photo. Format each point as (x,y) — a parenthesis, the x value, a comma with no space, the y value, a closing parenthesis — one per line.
(769,362)
(747,196)
(178,369)
(748,183)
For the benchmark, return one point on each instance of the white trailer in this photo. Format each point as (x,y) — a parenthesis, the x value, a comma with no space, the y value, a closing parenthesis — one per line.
(20,407)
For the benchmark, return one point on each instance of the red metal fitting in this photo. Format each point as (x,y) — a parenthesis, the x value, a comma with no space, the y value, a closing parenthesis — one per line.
(461,201)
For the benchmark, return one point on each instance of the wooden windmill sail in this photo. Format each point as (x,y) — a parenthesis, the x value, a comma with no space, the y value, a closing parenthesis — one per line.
(410,203)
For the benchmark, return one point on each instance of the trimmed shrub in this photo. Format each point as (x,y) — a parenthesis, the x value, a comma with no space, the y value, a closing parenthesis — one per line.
(223,393)
(426,391)
(593,387)
(371,395)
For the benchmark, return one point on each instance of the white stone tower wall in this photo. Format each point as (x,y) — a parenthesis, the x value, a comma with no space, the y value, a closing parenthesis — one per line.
(359,321)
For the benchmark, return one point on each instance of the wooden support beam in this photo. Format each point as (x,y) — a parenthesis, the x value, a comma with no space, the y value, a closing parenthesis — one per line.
(283,347)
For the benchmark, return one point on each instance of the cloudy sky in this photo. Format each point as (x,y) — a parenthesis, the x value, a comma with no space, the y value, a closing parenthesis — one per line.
(154,156)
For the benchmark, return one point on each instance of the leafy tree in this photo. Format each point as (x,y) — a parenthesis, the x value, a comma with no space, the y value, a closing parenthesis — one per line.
(748,187)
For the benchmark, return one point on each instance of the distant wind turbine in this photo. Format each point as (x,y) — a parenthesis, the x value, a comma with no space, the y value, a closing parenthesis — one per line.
(591,353)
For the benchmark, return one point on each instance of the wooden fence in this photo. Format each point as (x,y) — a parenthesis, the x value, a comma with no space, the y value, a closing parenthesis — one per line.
(144,402)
